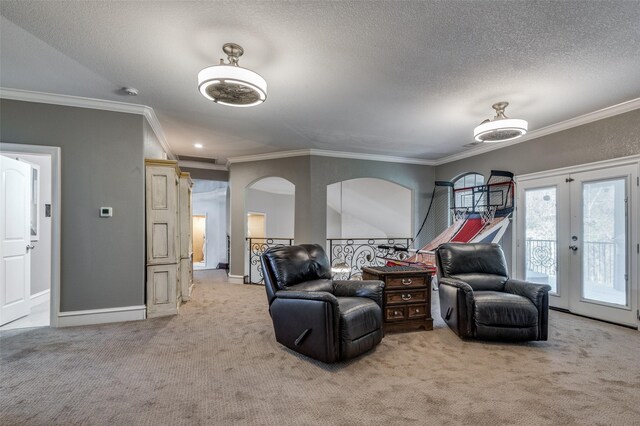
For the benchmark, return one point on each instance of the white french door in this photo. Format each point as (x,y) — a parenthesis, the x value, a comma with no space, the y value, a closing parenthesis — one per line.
(577,231)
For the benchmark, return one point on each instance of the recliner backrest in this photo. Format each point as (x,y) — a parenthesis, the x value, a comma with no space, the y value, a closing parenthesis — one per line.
(481,265)
(291,265)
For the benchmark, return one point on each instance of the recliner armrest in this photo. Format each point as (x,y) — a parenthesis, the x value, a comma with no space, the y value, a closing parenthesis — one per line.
(320,296)
(371,289)
(532,291)
(456,283)
(457,297)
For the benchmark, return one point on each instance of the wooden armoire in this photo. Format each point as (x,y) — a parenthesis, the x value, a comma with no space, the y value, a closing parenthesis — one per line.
(168,235)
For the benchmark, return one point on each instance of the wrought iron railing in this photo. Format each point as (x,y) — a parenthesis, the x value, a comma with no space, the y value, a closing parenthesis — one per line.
(542,256)
(599,263)
(598,260)
(349,255)
(257,246)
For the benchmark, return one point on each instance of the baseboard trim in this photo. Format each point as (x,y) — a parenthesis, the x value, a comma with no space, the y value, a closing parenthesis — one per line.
(40,297)
(236,279)
(102,316)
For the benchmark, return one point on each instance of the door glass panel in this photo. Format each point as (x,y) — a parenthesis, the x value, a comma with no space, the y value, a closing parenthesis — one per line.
(541,236)
(604,248)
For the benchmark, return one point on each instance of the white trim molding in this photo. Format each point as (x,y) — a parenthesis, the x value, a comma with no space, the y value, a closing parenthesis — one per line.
(590,117)
(597,165)
(327,153)
(236,279)
(40,297)
(101,104)
(102,316)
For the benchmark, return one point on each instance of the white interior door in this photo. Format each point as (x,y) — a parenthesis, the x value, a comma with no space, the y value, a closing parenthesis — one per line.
(15,239)
(578,233)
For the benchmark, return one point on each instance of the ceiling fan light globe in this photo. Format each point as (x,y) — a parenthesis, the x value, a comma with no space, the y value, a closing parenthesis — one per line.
(500,130)
(232,86)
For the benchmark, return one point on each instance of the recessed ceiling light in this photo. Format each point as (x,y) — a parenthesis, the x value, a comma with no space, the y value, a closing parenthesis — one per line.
(131,91)
(198,145)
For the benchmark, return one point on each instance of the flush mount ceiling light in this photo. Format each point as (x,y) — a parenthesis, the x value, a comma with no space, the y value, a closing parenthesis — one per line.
(230,84)
(501,128)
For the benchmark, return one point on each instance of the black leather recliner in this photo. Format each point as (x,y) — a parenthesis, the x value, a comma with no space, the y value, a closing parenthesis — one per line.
(478,299)
(314,315)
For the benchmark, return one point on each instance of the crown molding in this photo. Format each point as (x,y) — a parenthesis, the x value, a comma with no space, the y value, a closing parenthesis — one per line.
(268,156)
(91,103)
(149,114)
(201,165)
(590,117)
(327,153)
(372,157)
(611,111)
(153,121)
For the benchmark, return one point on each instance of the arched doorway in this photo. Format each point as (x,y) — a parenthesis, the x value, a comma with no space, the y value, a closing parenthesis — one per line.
(269,220)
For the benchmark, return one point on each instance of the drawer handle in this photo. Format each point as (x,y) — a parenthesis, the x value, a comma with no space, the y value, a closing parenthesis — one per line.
(396,313)
(406,297)
(406,281)
(417,311)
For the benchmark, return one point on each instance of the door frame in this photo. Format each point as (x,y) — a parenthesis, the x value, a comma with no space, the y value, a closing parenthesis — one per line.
(204,246)
(56,214)
(634,210)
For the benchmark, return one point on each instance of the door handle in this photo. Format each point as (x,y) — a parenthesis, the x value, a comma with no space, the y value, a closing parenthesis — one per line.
(30,247)
(573,248)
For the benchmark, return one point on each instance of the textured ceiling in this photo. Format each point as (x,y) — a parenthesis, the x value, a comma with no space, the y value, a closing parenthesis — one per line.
(398,78)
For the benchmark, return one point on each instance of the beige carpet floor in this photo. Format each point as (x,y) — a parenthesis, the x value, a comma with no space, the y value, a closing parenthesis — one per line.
(217,363)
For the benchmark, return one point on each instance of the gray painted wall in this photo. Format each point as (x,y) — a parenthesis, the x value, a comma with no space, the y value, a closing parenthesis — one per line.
(102,165)
(241,175)
(311,175)
(613,137)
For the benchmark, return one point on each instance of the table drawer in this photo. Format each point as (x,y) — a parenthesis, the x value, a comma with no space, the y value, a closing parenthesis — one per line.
(407,296)
(405,282)
(416,311)
(395,314)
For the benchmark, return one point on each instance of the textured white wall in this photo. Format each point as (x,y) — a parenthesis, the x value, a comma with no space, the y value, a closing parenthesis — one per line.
(368,208)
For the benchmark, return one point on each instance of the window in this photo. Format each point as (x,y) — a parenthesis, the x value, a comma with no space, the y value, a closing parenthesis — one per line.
(463,190)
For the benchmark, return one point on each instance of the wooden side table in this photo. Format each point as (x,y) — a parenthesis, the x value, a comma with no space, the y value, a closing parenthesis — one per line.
(407,296)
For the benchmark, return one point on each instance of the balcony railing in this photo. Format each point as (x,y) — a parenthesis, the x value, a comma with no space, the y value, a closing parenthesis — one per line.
(542,257)
(257,246)
(349,255)
(598,263)
(598,259)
